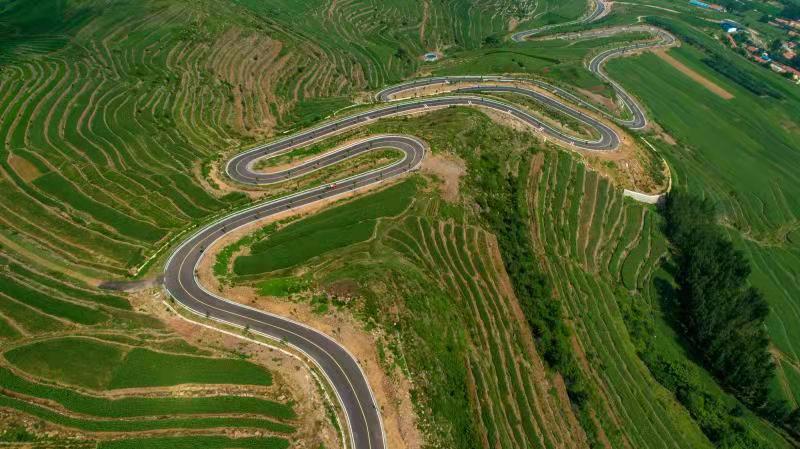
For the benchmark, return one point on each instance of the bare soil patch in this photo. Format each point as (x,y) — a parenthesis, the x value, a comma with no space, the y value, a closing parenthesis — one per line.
(129,286)
(705,82)
(449,169)
(24,169)
(425,15)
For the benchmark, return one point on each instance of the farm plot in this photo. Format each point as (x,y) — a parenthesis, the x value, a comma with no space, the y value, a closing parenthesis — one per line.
(604,231)
(335,228)
(515,409)
(606,267)
(720,145)
(80,359)
(435,283)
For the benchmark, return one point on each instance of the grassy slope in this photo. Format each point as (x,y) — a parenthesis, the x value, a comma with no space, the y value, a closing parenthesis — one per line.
(120,150)
(429,282)
(580,241)
(629,405)
(603,269)
(110,119)
(740,152)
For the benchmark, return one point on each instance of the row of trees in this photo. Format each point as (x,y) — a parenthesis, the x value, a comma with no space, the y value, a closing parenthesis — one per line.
(723,315)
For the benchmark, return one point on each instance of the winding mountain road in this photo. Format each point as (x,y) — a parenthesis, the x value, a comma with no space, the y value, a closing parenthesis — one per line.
(341,369)
(597,12)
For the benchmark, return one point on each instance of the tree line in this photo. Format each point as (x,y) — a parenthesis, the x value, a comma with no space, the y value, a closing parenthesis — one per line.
(723,316)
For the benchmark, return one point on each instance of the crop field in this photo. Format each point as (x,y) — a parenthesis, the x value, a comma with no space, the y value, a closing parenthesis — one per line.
(114,122)
(106,144)
(486,383)
(600,267)
(584,228)
(326,231)
(740,153)
(431,277)
(208,442)
(558,61)
(516,408)
(82,360)
(111,120)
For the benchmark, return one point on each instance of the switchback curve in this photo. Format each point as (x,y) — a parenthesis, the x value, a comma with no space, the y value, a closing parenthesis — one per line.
(340,368)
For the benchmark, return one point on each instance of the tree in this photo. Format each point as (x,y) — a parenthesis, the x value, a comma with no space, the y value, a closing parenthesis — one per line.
(791,11)
(492,40)
(724,317)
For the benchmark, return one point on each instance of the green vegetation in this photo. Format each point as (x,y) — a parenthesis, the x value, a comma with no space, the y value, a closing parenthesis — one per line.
(133,406)
(92,364)
(113,120)
(145,368)
(577,239)
(723,63)
(140,425)
(282,286)
(432,279)
(223,260)
(77,361)
(310,111)
(557,61)
(720,145)
(724,316)
(192,442)
(335,228)
(49,305)
(443,274)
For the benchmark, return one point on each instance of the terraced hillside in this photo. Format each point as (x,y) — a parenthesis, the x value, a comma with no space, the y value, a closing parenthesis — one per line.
(431,283)
(509,387)
(738,151)
(424,278)
(602,253)
(114,122)
(110,117)
(451,323)
(80,367)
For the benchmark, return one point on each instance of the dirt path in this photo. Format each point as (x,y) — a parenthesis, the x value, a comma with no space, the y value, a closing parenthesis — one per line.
(425,15)
(705,82)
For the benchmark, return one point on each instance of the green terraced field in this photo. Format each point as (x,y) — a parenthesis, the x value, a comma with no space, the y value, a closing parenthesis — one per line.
(740,153)
(208,442)
(336,228)
(92,364)
(115,119)
(597,290)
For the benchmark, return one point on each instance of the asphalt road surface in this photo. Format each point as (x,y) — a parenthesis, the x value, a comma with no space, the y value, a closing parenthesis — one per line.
(341,369)
(599,9)
(637,119)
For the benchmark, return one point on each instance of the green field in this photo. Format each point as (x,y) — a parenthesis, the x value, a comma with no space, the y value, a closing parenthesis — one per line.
(739,152)
(282,286)
(133,406)
(93,364)
(116,118)
(207,442)
(608,302)
(600,252)
(298,242)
